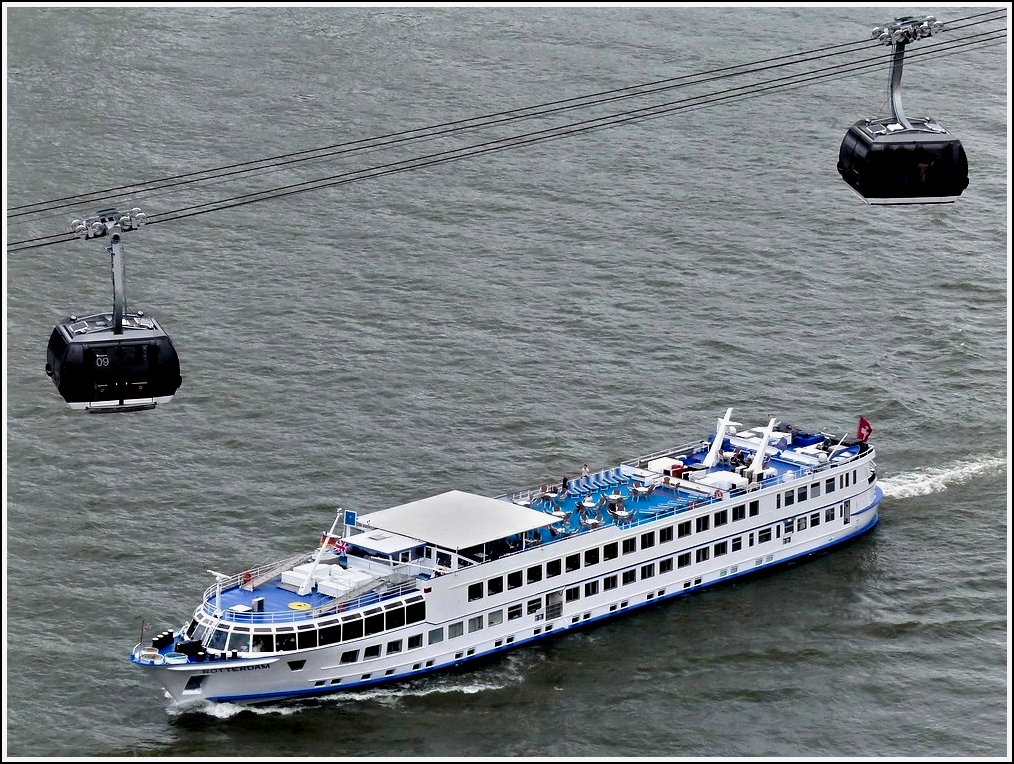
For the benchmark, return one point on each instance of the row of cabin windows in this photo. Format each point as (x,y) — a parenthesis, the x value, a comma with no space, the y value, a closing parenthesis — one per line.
(452,631)
(685,559)
(268,640)
(611,551)
(588,589)
(801,494)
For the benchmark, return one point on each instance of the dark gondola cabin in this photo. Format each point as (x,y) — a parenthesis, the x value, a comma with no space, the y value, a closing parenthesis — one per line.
(97,369)
(897,160)
(887,163)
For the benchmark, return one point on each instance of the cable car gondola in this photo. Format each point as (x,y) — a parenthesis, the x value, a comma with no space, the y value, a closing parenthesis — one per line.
(896,160)
(117,361)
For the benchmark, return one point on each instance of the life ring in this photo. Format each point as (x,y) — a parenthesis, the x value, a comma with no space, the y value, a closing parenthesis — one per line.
(718,493)
(247,577)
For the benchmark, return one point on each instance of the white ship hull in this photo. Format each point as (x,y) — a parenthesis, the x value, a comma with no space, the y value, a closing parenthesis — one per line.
(438,615)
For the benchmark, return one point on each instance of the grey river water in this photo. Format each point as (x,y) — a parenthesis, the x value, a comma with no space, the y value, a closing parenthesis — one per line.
(493,323)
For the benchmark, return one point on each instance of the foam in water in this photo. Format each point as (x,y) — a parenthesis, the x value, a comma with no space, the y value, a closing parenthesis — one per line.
(928,480)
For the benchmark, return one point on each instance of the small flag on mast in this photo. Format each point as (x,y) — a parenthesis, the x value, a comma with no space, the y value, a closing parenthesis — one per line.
(864,430)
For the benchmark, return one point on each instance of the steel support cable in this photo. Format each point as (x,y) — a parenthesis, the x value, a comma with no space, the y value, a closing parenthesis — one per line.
(525,139)
(441,129)
(523,113)
(595,123)
(527,113)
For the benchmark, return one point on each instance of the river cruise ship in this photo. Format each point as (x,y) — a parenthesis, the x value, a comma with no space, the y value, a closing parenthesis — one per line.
(434,583)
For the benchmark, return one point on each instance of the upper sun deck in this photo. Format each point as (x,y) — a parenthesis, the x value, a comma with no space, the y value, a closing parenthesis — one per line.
(393,552)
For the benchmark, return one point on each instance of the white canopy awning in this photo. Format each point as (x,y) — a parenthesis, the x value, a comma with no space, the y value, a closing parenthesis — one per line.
(457,520)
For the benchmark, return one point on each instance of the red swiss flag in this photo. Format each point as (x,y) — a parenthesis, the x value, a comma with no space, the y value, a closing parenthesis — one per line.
(864,429)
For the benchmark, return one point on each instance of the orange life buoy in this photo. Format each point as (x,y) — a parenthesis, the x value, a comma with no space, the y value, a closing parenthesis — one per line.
(247,577)
(718,493)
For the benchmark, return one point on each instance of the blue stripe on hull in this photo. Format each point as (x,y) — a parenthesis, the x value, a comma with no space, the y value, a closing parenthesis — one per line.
(864,522)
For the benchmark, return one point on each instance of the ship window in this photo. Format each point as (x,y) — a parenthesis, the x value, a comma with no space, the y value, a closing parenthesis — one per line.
(436,635)
(514,579)
(801,523)
(609,582)
(739,513)
(737,543)
(240,642)
(307,638)
(535,574)
(702,554)
(778,501)
(494,586)
(629,546)
(683,529)
(814,490)
(374,623)
(754,508)
(415,612)
(647,571)
(854,477)
(455,630)
(665,534)
(190,628)
(591,588)
(573,593)
(395,619)
(763,535)
(591,557)
(829,485)
(788,525)
(534,606)
(350,656)
(683,560)
(331,634)
(846,513)
(703,523)
(475,591)
(553,568)
(721,518)
(352,629)
(790,498)
(285,641)
(443,560)
(394,646)
(373,651)
(647,540)
(495,618)
(263,643)
(611,551)
(801,493)
(296,665)
(573,562)
(815,519)
(218,639)
(474,624)
(513,612)
(629,577)
(415,641)
(829,515)
(722,547)
(664,566)
(751,539)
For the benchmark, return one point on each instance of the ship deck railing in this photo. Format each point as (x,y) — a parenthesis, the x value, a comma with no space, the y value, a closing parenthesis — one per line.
(667,500)
(367,594)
